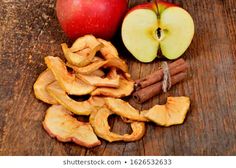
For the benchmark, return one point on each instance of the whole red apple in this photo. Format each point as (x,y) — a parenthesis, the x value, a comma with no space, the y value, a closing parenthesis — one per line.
(101,18)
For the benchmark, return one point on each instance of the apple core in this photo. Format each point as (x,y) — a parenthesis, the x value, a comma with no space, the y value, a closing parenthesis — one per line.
(160,33)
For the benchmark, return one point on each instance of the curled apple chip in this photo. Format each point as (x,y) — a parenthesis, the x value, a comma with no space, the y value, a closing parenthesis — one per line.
(87,41)
(100,82)
(112,73)
(127,76)
(79,108)
(125,89)
(59,123)
(138,132)
(98,72)
(96,58)
(90,56)
(85,52)
(87,70)
(71,57)
(99,122)
(124,109)
(126,120)
(44,79)
(108,50)
(172,113)
(118,63)
(97,102)
(79,59)
(67,81)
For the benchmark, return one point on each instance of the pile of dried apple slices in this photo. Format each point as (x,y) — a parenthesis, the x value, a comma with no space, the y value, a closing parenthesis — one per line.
(93,67)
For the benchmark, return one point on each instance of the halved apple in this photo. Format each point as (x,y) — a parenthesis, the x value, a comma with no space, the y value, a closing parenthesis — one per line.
(148,27)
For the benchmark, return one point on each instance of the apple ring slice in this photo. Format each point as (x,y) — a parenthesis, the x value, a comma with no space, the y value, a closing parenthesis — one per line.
(97,102)
(87,41)
(67,81)
(97,58)
(79,59)
(125,89)
(118,63)
(108,51)
(111,80)
(59,123)
(85,52)
(124,109)
(44,79)
(98,72)
(172,113)
(87,70)
(138,132)
(99,122)
(100,82)
(79,108)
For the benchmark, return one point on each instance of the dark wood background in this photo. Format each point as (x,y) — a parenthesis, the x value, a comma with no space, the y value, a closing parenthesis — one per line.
(29,31)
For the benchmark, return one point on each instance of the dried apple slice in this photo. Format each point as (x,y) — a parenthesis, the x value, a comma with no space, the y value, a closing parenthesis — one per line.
(85,52)
(124,109)
(44,79)
(118,63)
(76,58)
(172,113)
(112,73)
(87,41)
(73,58)
(67,81)
(87,70)
(97,102)
(127,76)
(108,50)
(91,55)
(99,122)
(138,132)
(96,58)
(125,89)
(98,72)
(79,108)
(100,82)
(59,123)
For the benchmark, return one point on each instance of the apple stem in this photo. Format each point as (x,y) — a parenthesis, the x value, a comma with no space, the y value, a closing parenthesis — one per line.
(155,2)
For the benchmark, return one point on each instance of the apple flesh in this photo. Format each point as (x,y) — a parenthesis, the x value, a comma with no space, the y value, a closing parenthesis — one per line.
(144,31)
(101,18)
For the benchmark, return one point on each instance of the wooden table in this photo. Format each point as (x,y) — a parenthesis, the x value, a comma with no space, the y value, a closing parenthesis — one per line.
(29,31)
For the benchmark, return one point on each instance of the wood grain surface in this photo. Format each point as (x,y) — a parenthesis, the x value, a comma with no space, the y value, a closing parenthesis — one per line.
(29,31)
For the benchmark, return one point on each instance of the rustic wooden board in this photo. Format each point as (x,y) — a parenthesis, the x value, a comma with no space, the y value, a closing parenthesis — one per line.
(29,31)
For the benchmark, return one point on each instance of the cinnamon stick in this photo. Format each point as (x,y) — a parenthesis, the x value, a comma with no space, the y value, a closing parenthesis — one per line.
(174,68)
(147,93)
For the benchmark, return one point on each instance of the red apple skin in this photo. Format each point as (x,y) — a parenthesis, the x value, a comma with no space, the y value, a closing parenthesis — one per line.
(101,18)
(152,6)
(166,4)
